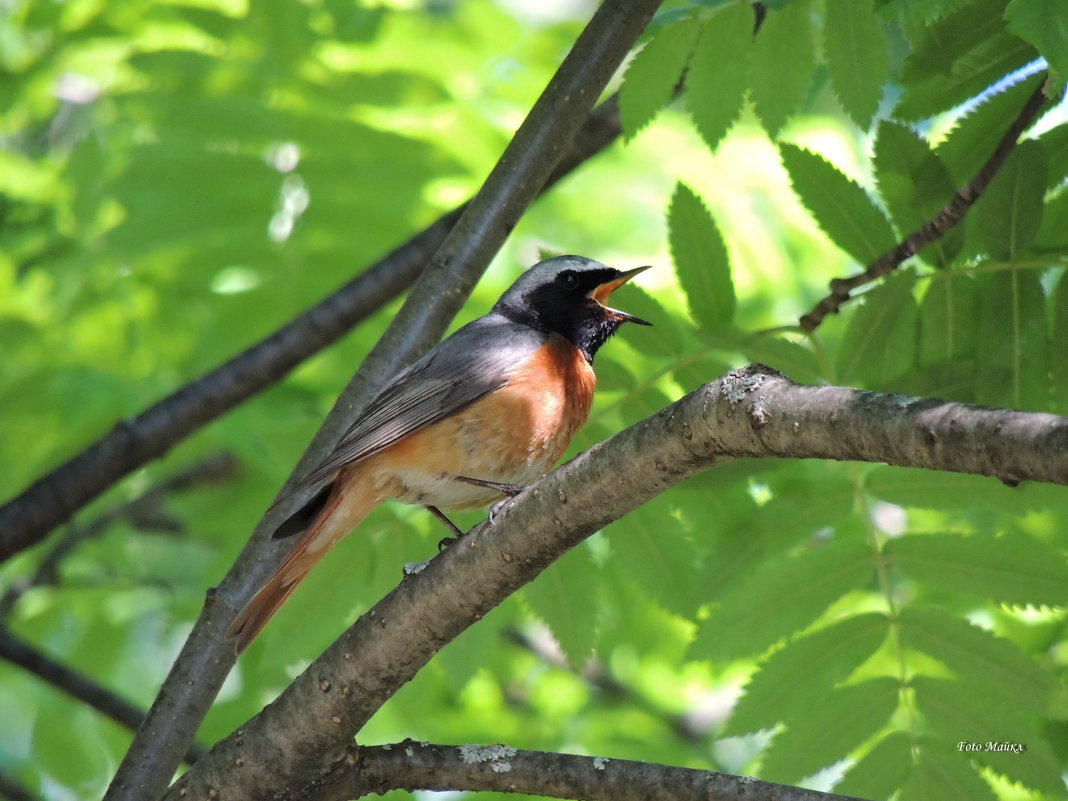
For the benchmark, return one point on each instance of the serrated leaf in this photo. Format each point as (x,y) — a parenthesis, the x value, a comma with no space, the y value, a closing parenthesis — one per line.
(937,47)
(1059,345)
(804,669)
(880,772)
(841,207)
(1010,211)
(1044,24)
(1011,569)
(780,597)
(949,315)
(916,12)
(844,718)
(976,656)
(915,186)
(970,142)
(977,70)
(719,71)
(1052,237)
(789,357)
(701,260)
(1014,370)
(650,80)
(565,597)
(880,340)
(950,708)
(939,774)
(855,49)
(784,64)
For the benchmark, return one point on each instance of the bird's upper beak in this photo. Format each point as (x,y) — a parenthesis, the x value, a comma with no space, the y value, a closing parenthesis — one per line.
(602,292)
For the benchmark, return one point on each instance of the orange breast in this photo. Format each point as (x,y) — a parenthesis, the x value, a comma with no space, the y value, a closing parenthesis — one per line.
(513,435)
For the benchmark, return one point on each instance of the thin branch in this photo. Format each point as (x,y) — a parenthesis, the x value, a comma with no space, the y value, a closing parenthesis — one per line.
(142,512)
(499,768)
(56,496)
(527,163)
(940,224)
(753,412)
(25,656)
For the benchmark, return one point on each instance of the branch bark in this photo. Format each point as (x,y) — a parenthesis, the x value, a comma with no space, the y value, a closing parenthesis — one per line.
(754,412)
(523,169)
(422,766)
(940,224)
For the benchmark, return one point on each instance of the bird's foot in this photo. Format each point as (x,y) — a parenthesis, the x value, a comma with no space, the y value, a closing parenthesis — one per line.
(511,490)
(455,529)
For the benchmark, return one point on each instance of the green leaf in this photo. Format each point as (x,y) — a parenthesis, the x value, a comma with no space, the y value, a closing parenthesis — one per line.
(855,49)
(1010,211)
(701,260)
(972,139)
(779,597)
(650,80)
(932,489)
(950,709)
(937,47)
(879,344)
(915,186)
(1055,144)
(565,597)
(1044,24)
(791,358)
(1059,345)
(803,669)
(880,772)
(719,71)
(1014,370)
(916,12)
(1011,569)
(1052,237)
(949,315)
(842,209)
(941,774)
(977,656)
(784,64)
(843,719)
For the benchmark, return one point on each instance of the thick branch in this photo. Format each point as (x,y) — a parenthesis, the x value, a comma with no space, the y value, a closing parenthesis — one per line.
(525,166)
(754,412)
(940,224)
(79,686)
(503,769)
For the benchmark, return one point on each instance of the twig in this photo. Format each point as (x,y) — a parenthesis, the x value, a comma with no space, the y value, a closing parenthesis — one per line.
(545,136)
(936,227)
(753,412)
(20,653)
(423,766)
(142,512)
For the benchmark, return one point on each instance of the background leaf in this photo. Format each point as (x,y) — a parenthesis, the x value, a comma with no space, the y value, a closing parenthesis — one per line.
(856,56)
(701,260)
(719,71)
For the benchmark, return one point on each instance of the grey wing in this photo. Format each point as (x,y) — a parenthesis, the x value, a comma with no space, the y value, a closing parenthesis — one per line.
(432,388)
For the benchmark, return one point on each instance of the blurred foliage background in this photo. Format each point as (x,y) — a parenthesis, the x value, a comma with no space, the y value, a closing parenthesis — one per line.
(178,179)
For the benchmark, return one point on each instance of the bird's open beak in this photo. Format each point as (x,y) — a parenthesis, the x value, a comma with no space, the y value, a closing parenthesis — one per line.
(605,290)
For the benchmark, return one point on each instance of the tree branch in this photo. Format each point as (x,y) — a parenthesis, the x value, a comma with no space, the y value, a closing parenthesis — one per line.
(523,169)
(79,686)
(940,224)
(503,769)
(753,412)
(56,496)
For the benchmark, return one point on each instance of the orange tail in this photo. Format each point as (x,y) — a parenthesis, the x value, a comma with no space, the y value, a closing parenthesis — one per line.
(348,504)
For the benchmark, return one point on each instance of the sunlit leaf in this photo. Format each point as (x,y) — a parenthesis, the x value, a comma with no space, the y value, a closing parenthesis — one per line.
(701,260)
(565,597)
(941,775)
(784,63)
(1044,24)
(855,48)
(880,772)
(654,73)
(719,71)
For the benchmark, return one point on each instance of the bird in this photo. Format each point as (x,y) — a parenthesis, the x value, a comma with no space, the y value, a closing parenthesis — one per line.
(489,409)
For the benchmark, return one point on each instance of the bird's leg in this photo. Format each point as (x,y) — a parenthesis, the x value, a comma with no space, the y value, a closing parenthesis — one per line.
(511,490)
(445,543)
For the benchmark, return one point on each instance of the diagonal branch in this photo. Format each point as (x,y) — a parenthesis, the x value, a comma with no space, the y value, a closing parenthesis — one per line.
(499,768)
(523,169)
(753,412)
(79,686)
(55,497)
(940,224)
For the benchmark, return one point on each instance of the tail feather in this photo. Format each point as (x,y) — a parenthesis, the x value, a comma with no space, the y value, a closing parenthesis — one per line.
(342,512)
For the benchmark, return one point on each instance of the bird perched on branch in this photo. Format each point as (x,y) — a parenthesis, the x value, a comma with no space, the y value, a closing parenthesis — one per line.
(489,409)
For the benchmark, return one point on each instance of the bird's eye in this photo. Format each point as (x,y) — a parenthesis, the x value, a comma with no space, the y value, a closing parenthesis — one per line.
(568,279)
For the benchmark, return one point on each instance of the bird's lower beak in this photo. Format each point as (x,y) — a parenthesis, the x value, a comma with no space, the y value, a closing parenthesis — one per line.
(605,290)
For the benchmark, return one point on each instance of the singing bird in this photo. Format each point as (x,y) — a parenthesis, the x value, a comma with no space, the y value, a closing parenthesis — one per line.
(493,405)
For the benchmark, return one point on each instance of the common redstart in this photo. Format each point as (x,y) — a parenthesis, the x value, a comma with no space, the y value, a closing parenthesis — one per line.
(493,405)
